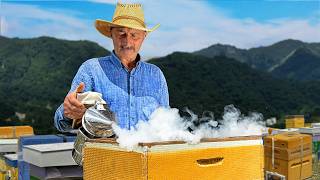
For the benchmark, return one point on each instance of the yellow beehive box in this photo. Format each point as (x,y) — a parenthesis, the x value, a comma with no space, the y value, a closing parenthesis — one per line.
(6,132)
(15,131)
(294,121)
(3,168)
(307,125)
(11,166)
(288,140)
(232,158)
(288,154)
(12,173)
(23,131)
(296,169)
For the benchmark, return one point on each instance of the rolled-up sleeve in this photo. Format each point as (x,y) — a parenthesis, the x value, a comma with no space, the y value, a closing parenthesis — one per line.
(62,123)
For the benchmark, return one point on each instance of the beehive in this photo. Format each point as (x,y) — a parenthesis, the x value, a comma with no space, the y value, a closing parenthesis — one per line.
(2,168)
(24,168)
(288,140)
(11,166)
(294,169)
(6,132)
(294,121)
(23,131)
(289,154)
(15,131)
(236,158)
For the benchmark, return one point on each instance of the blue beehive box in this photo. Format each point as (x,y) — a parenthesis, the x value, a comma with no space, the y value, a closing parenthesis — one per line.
(24,168)
(67,138)
(11,160)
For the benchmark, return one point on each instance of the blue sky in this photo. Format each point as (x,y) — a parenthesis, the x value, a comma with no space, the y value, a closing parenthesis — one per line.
(186,25)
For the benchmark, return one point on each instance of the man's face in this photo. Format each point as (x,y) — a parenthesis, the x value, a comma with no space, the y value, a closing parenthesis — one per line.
(127,42)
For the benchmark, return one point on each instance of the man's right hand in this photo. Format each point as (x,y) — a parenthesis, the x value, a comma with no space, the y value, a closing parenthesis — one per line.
(73,108)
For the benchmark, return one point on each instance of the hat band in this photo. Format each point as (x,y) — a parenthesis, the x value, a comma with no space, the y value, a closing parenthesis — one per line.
(129,17)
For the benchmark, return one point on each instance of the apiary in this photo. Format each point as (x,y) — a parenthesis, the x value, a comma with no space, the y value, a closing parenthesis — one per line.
(228,158)
(289,154)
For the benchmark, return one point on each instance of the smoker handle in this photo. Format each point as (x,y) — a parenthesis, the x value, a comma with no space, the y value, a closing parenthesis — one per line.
(216,161)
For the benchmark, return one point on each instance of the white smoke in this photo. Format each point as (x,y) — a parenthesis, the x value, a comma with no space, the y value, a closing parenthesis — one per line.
(166,124)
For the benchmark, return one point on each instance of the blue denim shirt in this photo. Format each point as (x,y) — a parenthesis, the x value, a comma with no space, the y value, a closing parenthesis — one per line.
(131,95)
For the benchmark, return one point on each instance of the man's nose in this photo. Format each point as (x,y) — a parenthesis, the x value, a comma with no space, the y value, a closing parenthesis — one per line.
(127,40)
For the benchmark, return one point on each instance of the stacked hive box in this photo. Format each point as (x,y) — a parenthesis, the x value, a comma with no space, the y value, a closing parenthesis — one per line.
(15,131)
(233,158)
(11,165)
(8,144)
(2,168)
(315,133)
(24,167)
(294,121)
(289,154)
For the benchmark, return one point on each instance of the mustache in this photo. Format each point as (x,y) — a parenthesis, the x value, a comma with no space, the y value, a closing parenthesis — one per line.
(126,48)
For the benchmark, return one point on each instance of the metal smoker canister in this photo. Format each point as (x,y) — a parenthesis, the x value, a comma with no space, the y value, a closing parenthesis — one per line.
(96,123)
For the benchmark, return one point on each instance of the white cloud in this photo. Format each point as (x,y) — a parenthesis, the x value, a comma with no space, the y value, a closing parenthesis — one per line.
(185,26)
(32,21)
(185,31)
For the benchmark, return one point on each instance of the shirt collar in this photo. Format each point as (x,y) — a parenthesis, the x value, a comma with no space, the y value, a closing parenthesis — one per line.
(117,62)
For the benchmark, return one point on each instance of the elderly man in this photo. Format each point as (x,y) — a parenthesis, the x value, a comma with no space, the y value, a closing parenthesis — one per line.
(133,89)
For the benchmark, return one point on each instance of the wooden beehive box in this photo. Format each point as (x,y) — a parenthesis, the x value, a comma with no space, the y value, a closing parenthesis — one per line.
(15,131)
(294,121)
(228,158)
(289,154)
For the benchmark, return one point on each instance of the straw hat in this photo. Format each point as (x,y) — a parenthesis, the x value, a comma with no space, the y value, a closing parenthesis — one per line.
(125,15)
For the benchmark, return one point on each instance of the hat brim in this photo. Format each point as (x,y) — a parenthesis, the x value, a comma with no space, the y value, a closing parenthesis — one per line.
(104,27)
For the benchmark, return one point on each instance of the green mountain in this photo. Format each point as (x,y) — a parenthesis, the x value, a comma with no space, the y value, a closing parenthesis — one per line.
(203,83)
(270,58)
(302,64)
(35,75)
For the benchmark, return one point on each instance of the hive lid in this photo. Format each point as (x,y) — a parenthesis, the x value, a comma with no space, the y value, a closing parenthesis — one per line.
(48,155)
(149,144)
(306,130)
(8,145)
(175,145)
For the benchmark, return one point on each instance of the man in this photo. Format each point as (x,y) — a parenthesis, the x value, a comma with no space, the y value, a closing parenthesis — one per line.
(133,89)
